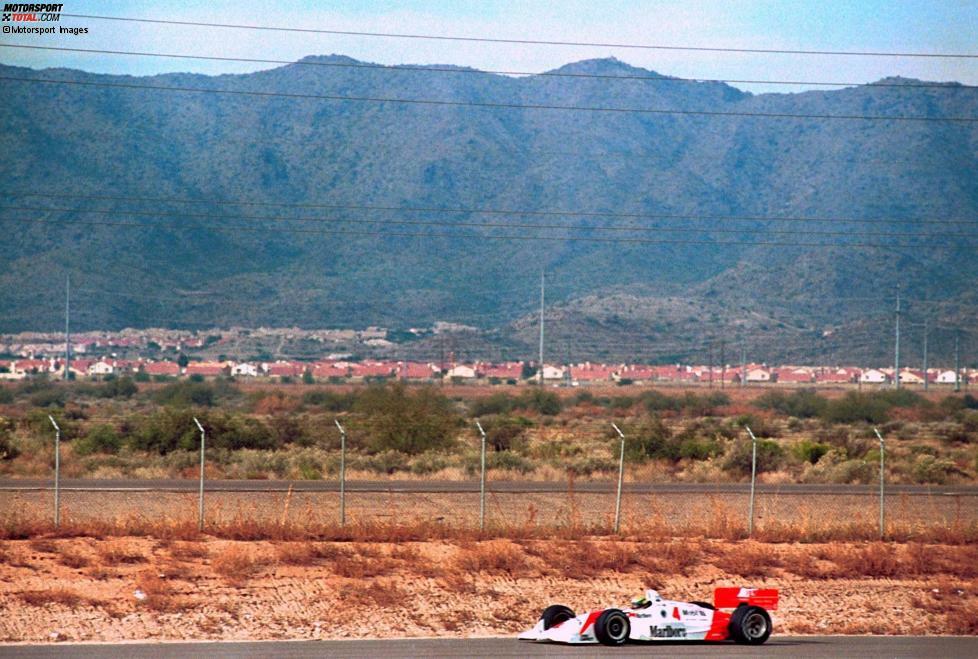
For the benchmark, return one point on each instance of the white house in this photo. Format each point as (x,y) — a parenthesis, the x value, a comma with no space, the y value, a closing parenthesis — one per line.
(874,376)
(758,375)
(910,377)
(946,377)
(101,367)
(461,371)
(245,369)
(552,372)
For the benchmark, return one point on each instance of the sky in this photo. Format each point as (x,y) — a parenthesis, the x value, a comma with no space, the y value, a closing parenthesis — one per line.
(944,26)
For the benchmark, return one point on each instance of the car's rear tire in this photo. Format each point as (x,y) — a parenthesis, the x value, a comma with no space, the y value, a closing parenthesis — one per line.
(555,614)
(612,627)
(750,625)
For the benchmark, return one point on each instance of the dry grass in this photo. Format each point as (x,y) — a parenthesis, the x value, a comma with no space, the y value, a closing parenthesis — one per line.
(492,557)
(186,551)
(59,596)
(118,552)
(296,553)
(237,564)
(72,558)
(383,593)
(158,594)
(749,559)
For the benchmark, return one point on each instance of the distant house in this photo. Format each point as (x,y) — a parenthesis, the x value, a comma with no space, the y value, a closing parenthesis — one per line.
(874,376)
(758,375)
(947,377)
(207,369)
(372,369)
(552,373)
(161,368)
(462,371)
(795,375)
(908,376)
(328,370)
(504,371)
(245,369)
(415,371)
(837,375)
(101,368)
(588,372)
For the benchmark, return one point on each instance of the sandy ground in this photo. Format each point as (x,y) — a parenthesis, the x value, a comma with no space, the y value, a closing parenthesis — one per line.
(116,589)
(676,512)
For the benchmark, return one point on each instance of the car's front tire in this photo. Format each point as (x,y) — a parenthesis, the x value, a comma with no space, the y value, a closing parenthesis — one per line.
(555,614)
(612,627)
(750,625)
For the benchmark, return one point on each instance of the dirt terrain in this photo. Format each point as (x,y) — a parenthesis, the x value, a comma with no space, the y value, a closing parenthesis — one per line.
(127,588)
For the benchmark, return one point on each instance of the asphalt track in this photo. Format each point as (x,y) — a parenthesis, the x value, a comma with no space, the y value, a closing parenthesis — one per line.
(453,487)
(944,647)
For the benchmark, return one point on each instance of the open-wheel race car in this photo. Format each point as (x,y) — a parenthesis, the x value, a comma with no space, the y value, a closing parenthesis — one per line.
(651,618)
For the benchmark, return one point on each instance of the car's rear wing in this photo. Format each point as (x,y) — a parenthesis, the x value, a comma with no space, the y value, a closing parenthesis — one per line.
(731,598)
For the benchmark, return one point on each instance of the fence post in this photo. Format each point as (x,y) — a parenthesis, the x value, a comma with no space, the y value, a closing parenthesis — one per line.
(200,496)
(753,478)
(57,472)
(621,476)
(482,481)
(342,472)
(882,451)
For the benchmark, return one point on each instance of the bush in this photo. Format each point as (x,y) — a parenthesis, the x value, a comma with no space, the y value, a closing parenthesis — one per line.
(184,394)
(52,396)
(330,401)
(397,420)
(651,439)
(99,439)
(506,433)
(929,469)
(174,429)
(760,427)
(498,403)
(8,450)
(809,451)
(6,396)
(855,407)
(541,401)
(428,463)
(504,460)
(769,457)
(803,404)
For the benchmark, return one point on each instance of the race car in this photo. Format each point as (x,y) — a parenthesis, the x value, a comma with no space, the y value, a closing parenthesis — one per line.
(651,618)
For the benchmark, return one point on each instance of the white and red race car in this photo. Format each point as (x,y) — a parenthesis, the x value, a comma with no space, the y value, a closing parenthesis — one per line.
(651,618)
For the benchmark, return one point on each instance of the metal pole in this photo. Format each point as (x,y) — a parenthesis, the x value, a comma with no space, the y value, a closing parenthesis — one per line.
(926,379)
(482,481)
(743,365)
(200,496)
(541,326)
(57,472)
(342,473)
(882,451)
(621,476)
(896,355)
(957,362)
(67,332)
(753,478)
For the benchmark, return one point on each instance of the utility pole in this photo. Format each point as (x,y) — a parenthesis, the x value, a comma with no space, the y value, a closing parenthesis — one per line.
(957,361)
(926,379)
(723,363)
(710,365)
(57,472)
(200,495)
(896,356)
(67,332)
(540,369)
(743,365)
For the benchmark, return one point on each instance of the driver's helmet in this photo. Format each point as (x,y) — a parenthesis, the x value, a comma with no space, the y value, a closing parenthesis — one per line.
(640,602)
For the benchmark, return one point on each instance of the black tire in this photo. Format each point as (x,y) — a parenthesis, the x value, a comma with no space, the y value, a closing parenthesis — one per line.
(750,625)
(612,627)
(555,614)
(705,605)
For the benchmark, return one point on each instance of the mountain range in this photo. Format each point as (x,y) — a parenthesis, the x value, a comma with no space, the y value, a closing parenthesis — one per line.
(658,242)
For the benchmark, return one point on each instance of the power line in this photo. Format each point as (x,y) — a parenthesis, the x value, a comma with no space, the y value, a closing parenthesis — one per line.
(537,42)
(497,106)
(491,211)
(489,225)
(473,236)
(463,70)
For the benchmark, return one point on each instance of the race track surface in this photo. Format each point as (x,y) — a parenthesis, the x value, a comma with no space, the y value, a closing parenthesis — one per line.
(435,487)
(800,646)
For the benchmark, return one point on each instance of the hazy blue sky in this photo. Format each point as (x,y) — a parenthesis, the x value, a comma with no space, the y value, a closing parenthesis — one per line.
(886,25)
